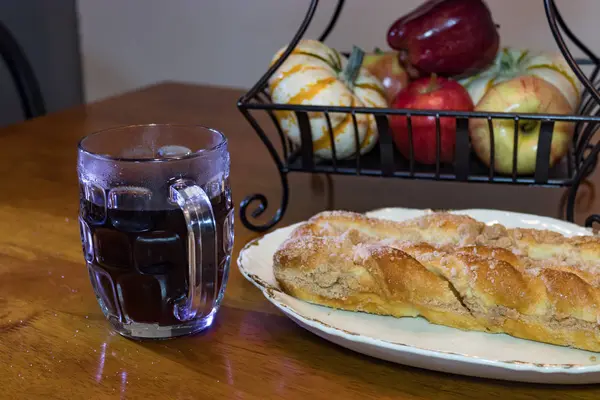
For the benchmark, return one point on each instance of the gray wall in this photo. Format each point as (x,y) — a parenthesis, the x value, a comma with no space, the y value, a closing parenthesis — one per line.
(48,32)
(126,44)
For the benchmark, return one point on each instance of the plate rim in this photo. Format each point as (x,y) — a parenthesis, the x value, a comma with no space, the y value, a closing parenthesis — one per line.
(268,292)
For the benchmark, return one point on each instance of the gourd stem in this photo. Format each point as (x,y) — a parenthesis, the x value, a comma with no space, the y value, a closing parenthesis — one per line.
(351,71)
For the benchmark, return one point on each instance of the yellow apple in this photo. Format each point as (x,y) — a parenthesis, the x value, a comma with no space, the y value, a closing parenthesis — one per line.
(511,63)
(523,94)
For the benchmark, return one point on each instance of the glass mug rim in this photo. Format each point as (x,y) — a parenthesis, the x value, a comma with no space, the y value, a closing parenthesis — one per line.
(217,147)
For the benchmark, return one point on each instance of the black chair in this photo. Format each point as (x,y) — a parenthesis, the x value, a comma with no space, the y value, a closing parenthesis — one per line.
(27,85)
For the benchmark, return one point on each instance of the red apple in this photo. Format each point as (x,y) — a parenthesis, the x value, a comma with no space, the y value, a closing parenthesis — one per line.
(434,93)
(446,37)
(386,67)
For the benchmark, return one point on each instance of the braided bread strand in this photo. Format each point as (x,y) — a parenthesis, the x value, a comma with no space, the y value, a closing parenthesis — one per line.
(451,270)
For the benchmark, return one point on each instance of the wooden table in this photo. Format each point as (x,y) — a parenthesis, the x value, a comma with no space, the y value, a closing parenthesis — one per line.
(55,342)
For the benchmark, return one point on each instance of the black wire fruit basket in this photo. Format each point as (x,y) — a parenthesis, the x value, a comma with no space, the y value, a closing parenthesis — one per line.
(384,160)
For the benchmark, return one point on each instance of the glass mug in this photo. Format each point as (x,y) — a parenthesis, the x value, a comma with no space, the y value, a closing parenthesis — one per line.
(156,222)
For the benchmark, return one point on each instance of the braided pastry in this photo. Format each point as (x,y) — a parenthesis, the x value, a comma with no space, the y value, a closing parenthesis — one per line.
(452,270)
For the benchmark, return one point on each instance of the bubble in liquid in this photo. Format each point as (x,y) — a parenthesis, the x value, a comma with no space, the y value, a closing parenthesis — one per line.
(173,151)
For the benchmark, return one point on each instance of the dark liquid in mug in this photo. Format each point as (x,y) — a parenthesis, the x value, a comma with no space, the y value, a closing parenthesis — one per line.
(139,265)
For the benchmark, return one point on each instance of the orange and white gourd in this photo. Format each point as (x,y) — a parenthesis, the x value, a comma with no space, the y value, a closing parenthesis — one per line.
(511,63)
(313,74)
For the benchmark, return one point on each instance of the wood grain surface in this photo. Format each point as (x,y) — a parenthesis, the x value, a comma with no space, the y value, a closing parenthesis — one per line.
(56,344)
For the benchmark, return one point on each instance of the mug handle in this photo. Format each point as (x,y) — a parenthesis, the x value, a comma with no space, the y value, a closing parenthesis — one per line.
(202,235)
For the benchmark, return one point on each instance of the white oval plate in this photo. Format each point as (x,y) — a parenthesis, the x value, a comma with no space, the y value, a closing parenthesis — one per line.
(416,342)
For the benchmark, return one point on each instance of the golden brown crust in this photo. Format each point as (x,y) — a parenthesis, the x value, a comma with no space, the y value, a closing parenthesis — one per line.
(451,270)
(333,271)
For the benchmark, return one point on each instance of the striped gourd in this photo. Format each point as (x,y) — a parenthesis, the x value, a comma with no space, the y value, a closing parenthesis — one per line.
(511,63)
(313,75)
